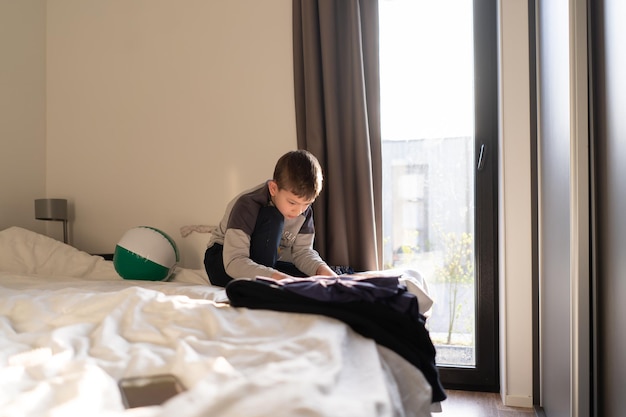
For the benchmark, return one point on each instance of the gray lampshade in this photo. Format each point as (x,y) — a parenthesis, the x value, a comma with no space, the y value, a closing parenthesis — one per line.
(51,209)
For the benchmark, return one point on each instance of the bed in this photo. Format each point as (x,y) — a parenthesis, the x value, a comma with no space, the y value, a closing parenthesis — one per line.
(71,329)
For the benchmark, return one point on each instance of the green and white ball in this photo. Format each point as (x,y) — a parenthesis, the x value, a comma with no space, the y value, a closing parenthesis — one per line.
(145,253)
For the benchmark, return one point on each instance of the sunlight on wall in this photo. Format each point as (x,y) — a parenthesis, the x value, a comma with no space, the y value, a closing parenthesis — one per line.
(159,112)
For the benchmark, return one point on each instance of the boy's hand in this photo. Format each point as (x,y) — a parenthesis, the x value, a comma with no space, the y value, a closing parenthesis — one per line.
(279,275)
(325,271)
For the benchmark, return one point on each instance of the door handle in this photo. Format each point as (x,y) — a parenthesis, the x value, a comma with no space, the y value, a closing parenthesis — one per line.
(481,158)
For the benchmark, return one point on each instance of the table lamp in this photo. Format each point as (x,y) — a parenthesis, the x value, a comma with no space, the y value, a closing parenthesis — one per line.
(52,209)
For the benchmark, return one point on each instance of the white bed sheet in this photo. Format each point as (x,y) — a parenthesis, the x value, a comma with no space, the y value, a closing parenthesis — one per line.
(71,328)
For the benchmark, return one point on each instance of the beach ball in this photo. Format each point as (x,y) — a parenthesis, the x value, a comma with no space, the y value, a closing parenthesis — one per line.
(145,253)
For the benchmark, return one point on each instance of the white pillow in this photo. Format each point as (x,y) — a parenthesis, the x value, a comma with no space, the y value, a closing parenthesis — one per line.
(26,252)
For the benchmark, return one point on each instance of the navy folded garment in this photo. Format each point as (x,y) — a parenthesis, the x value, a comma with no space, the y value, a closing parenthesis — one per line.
(381,289)
(379,318)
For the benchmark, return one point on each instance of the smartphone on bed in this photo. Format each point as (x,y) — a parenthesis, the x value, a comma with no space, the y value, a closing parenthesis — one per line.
(149,390)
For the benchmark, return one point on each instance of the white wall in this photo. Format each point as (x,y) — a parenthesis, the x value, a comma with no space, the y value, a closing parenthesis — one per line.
(22,112)
(160,111)
(515,225)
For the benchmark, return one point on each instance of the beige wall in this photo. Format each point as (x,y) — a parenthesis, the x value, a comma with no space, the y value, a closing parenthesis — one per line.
(22,111)
(160,111)
(515,220)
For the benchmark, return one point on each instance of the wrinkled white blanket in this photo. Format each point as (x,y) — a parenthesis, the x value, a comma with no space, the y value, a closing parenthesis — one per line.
(71,328)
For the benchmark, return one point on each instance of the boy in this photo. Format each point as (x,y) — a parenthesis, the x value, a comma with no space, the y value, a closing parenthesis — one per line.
(268,231)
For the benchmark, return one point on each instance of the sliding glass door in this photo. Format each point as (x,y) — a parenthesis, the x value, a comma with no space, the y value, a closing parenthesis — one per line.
(439,113)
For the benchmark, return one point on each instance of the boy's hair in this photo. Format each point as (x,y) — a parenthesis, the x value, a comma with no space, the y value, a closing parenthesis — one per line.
(300,173)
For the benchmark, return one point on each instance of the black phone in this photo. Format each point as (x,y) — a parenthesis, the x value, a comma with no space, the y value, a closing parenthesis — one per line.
(149,390)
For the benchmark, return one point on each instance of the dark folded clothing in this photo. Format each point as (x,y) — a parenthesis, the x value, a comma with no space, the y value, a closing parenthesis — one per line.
(386,290)
(375,318)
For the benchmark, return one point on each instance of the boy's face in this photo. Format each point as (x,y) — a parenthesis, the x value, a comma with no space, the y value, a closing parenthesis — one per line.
(289,204)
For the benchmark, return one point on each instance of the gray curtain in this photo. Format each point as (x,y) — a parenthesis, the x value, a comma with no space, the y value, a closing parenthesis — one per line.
(338,120)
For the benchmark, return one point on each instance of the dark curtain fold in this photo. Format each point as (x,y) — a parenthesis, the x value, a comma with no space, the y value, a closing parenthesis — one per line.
(338,119)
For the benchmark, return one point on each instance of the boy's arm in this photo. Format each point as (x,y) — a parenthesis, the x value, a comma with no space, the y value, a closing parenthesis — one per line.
(306,259)
(237,262)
